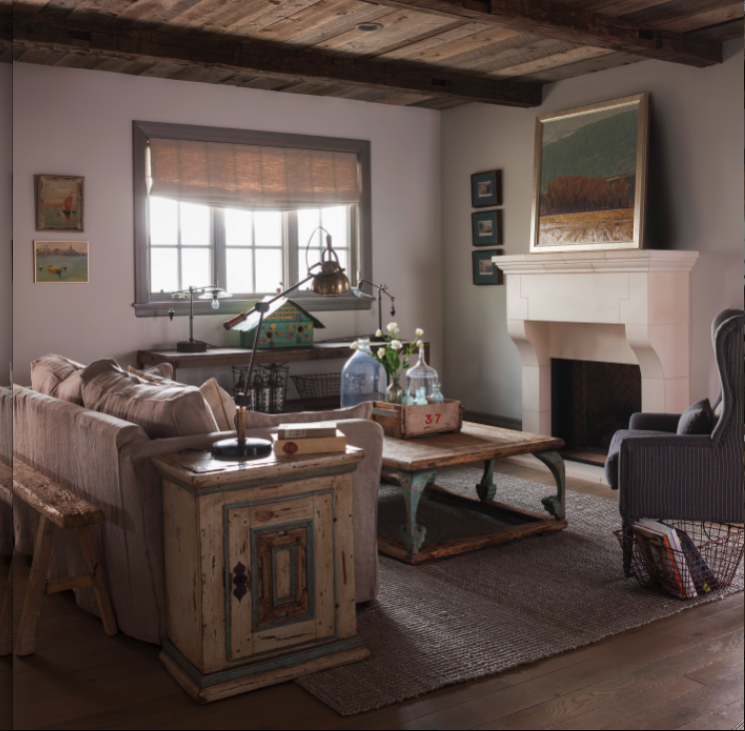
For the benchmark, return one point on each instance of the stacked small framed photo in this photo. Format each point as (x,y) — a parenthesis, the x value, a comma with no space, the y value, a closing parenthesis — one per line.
(486,226)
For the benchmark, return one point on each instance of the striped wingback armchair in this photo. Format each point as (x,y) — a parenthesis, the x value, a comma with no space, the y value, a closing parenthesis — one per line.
(663,475)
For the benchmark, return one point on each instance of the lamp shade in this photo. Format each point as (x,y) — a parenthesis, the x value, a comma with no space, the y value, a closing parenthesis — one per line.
(331,281)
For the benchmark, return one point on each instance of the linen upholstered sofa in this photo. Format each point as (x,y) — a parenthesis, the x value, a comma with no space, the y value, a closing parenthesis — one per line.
(106,459)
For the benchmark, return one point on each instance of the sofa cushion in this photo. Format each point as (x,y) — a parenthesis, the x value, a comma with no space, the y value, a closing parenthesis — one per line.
(611,462)
(221,403)
(153,374)
(161,410)
(255,419)
(696,419)
(55,375)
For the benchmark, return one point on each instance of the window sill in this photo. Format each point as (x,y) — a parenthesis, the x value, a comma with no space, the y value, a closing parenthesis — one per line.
(308,301)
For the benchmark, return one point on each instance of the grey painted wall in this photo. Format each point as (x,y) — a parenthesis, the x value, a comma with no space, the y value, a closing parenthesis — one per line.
(695,202)
(6,213)
(79,122)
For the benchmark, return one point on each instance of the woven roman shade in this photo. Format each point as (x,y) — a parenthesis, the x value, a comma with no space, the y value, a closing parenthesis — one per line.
(252,176)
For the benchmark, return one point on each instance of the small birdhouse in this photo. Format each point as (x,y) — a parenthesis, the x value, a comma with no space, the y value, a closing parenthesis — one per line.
(286,325)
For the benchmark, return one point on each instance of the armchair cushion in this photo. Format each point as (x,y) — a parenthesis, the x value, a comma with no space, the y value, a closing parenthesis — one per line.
(55,375)
(649,421)
(611,463)
(696,419)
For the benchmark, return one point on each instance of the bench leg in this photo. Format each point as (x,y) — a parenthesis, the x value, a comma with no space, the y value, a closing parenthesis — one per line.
(6,618)
(99,582)
(26,640)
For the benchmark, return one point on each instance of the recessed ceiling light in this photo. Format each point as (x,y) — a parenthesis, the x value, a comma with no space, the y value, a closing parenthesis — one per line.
(368,27)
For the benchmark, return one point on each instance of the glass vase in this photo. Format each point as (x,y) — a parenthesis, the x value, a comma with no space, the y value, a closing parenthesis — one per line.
(362,378)
(422,376)
(394,392)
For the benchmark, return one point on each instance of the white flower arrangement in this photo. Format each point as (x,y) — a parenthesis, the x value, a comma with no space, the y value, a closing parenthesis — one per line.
(393,355)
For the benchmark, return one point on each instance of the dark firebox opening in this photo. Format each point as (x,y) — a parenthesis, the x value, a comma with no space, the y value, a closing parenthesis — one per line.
(590,402)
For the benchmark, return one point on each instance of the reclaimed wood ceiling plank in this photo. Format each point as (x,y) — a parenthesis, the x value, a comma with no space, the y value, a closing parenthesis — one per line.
(576,25)
(44,56)
(724,31)
(102,11)
(235,21)
(323,20)
(404,100)
(470,46)
(582,68)
(672,10)
(28,6)
(59,8)
(426,48)
(399,28)
(152,14)
(574,55)
(702,20)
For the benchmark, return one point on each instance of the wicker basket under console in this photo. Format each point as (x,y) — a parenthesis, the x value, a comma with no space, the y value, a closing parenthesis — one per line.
(405,422)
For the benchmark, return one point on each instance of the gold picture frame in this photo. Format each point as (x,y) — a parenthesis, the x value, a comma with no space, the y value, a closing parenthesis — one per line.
(590,177)
(60,202)
(61,262)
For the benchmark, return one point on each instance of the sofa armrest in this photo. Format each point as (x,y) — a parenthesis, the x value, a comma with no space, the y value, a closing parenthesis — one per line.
(655,422)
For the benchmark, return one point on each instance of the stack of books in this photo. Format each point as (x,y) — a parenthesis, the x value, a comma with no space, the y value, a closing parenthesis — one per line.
(299,439)
(671,555)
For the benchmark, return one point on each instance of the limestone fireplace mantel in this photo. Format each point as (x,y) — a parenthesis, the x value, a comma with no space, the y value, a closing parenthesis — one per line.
(610,306)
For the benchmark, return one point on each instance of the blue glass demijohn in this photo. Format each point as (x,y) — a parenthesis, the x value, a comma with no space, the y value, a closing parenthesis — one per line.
(362,378)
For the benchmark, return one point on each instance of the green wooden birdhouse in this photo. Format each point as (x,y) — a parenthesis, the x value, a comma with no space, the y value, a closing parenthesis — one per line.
(286,325)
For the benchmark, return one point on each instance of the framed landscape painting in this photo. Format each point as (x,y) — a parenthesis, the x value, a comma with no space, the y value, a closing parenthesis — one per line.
(61,261)
(59,203)
(590,177)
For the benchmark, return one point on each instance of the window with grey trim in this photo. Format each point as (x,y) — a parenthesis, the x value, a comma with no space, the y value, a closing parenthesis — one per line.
(248,252)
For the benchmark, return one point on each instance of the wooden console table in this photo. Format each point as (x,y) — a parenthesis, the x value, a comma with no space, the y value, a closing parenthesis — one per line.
(259,569)
(218,357)
(413,465)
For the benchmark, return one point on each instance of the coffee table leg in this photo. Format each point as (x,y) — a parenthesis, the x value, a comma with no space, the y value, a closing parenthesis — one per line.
(412,485)
(555,504)
(486,489)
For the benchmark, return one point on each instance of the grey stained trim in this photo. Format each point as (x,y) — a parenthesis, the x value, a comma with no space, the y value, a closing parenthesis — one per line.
(143,305)
(505,422)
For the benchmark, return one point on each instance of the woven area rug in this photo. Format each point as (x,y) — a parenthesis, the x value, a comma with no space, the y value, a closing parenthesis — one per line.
(480,613)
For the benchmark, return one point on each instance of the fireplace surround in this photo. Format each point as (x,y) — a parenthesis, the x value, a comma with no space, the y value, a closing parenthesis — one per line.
(628,307)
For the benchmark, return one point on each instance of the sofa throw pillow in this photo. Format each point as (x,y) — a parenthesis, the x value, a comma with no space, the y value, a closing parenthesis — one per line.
(221,403)
(153,374)
(255,420)
(696,419)
(55,375)
(161,410)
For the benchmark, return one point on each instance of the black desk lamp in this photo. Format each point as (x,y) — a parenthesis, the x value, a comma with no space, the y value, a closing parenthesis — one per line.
(382,290)
(330,281)
(212,292)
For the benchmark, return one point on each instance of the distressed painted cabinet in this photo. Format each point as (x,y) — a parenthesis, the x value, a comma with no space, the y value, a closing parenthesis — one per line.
(259,569)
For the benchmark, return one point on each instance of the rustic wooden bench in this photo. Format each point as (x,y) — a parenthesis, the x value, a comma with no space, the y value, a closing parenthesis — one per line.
(6,613)
(57,506)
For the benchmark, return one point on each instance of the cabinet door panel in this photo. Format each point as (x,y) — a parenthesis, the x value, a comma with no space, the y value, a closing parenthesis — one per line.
(325,595)
(239,583)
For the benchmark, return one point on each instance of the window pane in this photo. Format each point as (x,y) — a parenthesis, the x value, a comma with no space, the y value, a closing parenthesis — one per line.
(314,256)
(238,229)
(163,270)
(343,255)
(268,270)
(195,268)
(268,229)
(163,222)
(334,220)
(307,220)
(240,270)
(195,225)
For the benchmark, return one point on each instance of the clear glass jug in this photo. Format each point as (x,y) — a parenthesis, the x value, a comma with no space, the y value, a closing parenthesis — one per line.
(362,378)
(422,376)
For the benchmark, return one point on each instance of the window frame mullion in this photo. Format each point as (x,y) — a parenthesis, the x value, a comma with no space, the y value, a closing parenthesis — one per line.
(291,248)
(219,255)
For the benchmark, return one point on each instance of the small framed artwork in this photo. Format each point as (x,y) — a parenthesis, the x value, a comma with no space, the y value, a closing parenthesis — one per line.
(487,228)
(61,261)
(590,177)
(485,271)
(59,203)
(486,189)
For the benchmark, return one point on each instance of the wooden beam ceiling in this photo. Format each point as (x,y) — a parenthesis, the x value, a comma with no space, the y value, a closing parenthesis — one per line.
(575,25)
(241,55)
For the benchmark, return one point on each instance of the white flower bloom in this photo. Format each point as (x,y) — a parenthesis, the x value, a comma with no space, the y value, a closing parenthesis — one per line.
(355,345)
(396,344)
(420,343)
(418,333)
(378,333)
(381,352)
(392,328)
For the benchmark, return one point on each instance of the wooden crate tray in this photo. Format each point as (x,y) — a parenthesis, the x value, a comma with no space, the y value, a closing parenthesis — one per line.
(406,422)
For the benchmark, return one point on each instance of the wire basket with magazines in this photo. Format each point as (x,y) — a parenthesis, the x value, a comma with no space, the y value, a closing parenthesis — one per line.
(684,558)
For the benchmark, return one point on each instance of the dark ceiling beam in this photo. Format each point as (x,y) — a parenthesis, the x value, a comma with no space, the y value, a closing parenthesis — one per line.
(240,55)
(568,23)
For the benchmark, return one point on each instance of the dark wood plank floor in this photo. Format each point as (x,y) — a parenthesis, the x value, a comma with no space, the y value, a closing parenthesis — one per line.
(683,672)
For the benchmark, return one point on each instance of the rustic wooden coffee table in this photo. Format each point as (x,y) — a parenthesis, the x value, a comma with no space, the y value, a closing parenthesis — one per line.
(413,464)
